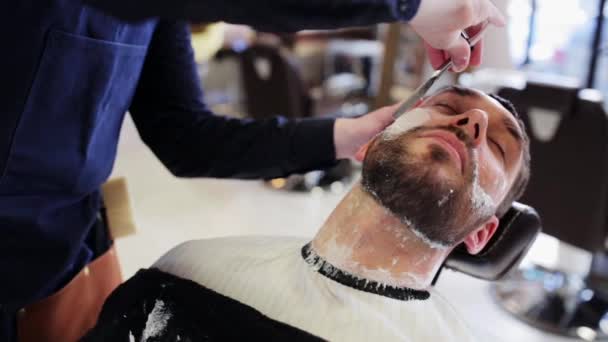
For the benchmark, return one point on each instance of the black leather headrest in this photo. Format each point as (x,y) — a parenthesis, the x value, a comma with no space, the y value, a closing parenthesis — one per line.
(555,93)
(516,232)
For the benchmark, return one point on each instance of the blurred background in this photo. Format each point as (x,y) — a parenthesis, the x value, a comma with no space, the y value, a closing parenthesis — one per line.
(551,61)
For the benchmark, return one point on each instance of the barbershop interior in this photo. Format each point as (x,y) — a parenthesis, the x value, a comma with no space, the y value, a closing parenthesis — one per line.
(317,184)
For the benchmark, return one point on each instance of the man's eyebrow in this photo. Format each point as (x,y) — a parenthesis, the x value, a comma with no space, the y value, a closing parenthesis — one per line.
(460,91)
(513,129)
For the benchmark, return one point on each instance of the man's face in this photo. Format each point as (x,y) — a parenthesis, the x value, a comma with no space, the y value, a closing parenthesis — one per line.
(449,166)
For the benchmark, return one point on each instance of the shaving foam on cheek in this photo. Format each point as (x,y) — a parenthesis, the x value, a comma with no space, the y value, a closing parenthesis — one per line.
(500,184)
(408,121)
(480,199)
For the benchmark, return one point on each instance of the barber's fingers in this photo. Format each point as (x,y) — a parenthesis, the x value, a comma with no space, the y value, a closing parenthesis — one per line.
(382,117)
(436,56)
(450,45)
(462,58)
(476,54)
(460,53)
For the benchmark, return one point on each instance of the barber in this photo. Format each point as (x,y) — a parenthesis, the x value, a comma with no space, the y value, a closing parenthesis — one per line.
(71,72)
(439,22)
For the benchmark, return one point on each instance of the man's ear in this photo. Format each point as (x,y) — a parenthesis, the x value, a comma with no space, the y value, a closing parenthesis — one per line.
(478,239)
(360,155)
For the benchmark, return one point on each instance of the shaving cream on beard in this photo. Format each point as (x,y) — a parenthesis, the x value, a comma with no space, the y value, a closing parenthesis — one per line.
(480,199)
(406,122)
(481,202)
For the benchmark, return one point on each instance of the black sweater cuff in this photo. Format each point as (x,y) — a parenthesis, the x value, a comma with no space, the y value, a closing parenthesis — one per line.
(312,145)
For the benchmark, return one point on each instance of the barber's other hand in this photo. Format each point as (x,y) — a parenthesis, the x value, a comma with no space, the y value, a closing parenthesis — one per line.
(352,133)
(440,23)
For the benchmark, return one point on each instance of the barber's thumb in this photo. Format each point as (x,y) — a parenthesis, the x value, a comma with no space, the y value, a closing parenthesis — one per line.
(460,54)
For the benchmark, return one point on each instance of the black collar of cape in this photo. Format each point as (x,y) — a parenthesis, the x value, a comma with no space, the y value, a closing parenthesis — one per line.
(347,279)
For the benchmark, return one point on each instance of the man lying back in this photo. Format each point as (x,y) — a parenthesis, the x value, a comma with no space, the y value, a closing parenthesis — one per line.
(440,176)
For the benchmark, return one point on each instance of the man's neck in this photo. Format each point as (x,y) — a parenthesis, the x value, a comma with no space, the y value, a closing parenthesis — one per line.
(365,240)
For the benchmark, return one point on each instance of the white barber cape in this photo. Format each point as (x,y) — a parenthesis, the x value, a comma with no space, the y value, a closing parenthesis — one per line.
(271,275)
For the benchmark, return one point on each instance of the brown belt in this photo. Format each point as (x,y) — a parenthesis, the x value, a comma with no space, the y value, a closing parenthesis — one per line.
(68,314)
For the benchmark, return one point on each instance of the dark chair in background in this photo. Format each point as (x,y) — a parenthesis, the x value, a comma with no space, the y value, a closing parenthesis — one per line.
(273,85)
(569,189)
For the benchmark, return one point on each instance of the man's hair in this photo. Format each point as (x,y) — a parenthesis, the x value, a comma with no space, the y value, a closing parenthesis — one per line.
(521,180)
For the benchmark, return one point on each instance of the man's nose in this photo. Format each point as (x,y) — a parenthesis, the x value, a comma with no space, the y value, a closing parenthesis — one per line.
(475,123)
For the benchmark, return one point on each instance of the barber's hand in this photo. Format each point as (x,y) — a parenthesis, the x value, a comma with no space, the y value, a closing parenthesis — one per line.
(440,23)
(350,134)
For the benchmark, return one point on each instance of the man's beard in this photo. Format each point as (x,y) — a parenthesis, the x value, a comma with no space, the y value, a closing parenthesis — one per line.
(441,211)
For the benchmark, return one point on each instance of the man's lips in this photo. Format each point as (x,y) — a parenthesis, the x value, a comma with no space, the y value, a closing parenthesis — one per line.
(452,145)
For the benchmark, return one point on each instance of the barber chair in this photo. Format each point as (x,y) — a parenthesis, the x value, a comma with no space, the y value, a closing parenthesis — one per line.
(222,81)
(568,131)
(272,84)
(357,62)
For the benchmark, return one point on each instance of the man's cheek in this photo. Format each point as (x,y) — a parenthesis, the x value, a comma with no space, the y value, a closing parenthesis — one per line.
(492,178)
(413,119)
